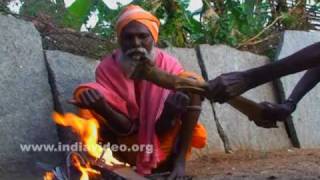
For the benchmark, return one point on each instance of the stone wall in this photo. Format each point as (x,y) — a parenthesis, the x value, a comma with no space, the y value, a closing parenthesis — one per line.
(26,100)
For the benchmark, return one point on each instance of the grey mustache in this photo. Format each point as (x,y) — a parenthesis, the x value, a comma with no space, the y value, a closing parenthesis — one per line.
(136,50)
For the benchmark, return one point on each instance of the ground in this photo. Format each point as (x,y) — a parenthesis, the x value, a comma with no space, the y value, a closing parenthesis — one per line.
(292,164)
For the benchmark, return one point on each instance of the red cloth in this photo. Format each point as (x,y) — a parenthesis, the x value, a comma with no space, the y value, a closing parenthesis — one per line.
(120,92)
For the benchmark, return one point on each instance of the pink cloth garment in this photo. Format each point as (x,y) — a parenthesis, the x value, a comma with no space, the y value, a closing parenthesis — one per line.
(119,91)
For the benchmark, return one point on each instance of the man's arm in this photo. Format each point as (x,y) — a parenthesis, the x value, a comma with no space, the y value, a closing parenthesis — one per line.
(281,111)
(306,58)
(229,85)
(307,82)
(92,99)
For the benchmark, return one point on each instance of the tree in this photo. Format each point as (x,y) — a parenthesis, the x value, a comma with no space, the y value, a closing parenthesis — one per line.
(235,22)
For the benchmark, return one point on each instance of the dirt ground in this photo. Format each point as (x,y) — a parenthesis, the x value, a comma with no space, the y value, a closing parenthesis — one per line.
(292,164)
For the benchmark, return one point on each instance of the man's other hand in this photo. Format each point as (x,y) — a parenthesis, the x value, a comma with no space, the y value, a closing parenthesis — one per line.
(177,102)
(278,112)
(271,113)
(90,99)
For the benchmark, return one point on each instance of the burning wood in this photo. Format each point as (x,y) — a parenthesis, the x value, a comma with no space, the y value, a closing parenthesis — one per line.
(48,176)
(87,129)
(77,167)
(85,170)
(100,164)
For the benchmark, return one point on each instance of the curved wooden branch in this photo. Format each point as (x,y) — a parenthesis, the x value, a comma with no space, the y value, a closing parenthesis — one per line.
(246,106)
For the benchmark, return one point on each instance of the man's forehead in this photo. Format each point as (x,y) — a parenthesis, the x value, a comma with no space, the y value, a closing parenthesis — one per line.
(135,27)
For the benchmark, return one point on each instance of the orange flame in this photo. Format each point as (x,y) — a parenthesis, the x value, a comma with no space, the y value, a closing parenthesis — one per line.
(85,170)
(87,129)
(48,176)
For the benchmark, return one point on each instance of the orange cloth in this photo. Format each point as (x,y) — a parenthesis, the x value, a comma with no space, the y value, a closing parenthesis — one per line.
(167,140)
(136,13)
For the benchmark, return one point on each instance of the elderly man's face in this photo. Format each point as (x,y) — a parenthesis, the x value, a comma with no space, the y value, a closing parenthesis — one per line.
(136,35)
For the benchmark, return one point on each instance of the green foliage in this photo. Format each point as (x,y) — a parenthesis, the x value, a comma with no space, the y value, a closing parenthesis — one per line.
(106,20)
(289,20)
(78,13)
(223,21)
(179,27)
(239,21)
(43,7)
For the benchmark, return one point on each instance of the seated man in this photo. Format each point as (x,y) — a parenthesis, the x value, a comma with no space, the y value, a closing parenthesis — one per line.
(229,85)
(140,112)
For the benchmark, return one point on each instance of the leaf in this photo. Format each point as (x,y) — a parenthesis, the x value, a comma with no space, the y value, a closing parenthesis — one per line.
(78,13)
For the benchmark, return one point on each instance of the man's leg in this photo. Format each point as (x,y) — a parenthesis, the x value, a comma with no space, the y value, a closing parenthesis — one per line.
(178,128)
(189,120)
(168,125)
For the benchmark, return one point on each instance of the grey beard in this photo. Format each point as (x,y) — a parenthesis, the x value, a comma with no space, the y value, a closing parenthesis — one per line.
(130,59)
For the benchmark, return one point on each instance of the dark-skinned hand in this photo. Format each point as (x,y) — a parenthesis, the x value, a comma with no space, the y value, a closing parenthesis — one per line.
(279,112)
(143,63)
(271,113)
(227,86)
(177,102)
(90,99)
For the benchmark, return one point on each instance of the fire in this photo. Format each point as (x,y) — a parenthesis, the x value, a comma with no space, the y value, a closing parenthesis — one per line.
(48,176)
(85,170)
(87,129)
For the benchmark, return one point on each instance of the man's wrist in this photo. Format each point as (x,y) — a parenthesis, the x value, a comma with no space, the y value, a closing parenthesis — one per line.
(291,103)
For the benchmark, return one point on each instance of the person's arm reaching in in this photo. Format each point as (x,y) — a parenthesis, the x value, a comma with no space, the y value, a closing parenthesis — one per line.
(229,85)
(282,111)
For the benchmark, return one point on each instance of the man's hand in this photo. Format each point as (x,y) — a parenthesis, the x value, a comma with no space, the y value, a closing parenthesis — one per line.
(90,99)
(177,102)
(144,64)
(227,86)
(278,112)
(271,113)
